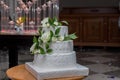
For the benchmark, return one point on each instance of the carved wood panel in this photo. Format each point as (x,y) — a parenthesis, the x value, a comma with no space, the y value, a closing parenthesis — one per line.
(93,29)
(114,30)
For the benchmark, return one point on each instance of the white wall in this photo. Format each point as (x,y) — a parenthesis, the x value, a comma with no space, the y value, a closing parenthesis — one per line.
(89,3)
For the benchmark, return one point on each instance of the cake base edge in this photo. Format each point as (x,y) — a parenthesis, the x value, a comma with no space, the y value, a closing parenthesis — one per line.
(41,74)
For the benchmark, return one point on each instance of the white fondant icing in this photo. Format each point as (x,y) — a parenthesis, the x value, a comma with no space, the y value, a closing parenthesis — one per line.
(42,74)
(62,47)
(55,61)
(60,63)
(63,30)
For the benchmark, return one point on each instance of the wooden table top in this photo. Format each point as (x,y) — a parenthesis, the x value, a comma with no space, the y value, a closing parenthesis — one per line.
(20,73)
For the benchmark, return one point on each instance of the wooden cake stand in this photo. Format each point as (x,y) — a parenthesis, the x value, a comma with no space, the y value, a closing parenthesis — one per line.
(20,73)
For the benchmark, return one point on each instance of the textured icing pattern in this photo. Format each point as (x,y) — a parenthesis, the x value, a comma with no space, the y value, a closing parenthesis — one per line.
(55,61)
(47,73)
(63,30)
(62,47)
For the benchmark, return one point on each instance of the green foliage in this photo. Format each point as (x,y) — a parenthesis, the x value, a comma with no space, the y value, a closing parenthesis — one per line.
(51,35)
(43,47)
(40,31)
(42,51)
(50,21)
(49,50)
(70,37)
(47,45)
(35,40)
(57,31)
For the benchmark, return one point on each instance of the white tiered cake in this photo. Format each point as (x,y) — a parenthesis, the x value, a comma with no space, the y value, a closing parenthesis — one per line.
(60,63)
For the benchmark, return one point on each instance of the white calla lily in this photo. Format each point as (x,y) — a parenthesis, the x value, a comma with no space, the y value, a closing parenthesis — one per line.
(32,47)
(48,25)
(45,37)
(43,25)
(44,22)
(61,38)
(54,39)
(56,23)
(36,51)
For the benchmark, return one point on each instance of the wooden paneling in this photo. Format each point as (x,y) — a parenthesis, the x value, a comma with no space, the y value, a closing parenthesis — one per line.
(94,29)
(114,30)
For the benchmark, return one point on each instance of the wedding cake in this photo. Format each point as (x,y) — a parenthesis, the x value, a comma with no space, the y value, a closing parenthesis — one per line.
(54,56)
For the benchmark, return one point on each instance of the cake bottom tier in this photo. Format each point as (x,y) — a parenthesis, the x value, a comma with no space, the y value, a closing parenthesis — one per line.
(42,74)
(52,61)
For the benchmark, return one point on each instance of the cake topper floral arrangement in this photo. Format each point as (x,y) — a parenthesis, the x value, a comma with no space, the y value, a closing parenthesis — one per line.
(41,43)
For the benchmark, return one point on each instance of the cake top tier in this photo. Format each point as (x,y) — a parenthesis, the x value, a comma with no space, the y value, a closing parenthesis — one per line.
(51,30)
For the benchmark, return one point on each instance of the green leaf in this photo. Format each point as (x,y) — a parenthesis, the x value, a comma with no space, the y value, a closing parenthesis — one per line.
(59,23)
(35,39)
(42,51)
(39,40)
(56,36)
(65,22)
(55,19)
(47,45)
(49,50)
(53,25)
(51,35)
(57,31)
(40,31)
(72,36)
(32,52)
(66,38)
(36,46)
(50,21)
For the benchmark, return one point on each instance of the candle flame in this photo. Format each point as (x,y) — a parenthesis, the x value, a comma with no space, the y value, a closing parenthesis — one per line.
(20,20)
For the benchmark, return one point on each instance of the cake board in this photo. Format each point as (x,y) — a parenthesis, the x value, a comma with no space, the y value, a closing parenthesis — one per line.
(41,74)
